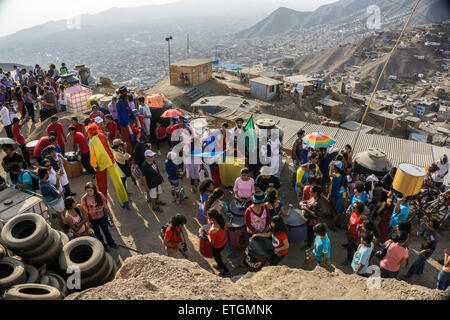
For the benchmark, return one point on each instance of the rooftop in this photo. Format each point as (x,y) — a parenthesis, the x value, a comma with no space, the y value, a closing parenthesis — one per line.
(299,78)
(266,81)
(354,126)
(383,114)
(191,62)
(329,102)
(226,102)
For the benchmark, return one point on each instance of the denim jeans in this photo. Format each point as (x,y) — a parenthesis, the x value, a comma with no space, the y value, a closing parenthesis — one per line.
(102,223)
(443,280)
(418,265)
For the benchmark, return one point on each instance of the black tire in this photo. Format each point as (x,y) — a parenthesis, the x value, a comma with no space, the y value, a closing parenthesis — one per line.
(96,279)
(88,253)
(52,281)
(108,273)
(44,280)
(25,231)
(32,274)
(51,255)
(3,251)
(32,291)
(43,247)
(12,272)
(62,284)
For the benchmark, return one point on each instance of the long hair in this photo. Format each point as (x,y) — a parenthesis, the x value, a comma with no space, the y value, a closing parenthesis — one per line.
(280,226)
(217,193)
(52,162)
(214,214)
(272,197)
(98,198)
(204,184)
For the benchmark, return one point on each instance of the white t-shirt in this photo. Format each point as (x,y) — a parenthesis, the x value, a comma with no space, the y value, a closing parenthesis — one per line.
(62,98)
(4,113)
(443,168)
(145,111)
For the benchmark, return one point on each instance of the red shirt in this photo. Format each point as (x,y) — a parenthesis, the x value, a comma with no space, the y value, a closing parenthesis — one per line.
(161,132)
(355,225)
(278,241)
(307,192)
(99,114)
(17,134)
(112,130)
(80,140)
(173,237)
(40,146)
(58,128)
(79,127)
(220,238)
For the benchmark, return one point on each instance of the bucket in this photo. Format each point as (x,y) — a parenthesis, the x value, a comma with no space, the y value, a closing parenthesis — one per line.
(73,168)
(205,248)
(409,179)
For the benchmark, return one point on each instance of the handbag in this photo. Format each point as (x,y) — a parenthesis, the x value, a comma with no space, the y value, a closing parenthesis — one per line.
(136,172)
(380,254)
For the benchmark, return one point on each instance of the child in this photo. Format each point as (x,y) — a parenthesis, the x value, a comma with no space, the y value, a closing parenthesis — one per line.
(62,101)
(341,205)
(358,196)
(218,239)
(111,125)
(444,274)
(161,136)
(280,241)
(322,246)
(173,175)
(361,258)
(335,174)
(78,125)
(356,221)
(16,127)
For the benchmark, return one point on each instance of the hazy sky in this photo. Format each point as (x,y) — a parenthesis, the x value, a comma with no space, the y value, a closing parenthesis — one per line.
(16,15)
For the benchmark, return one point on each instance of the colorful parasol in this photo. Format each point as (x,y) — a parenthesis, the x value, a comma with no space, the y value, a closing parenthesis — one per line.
(318,140)
(171,113)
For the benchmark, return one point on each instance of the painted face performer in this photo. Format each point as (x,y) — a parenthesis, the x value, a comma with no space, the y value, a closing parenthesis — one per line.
(103,160)
(125,118)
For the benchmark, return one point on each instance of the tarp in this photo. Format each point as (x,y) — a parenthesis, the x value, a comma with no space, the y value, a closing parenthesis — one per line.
(155,100)
(227,65)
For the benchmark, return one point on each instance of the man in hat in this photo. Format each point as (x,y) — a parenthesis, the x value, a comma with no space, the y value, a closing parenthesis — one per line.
(152,181)
(81,147)
(103,160)
(267,180)
(125,116)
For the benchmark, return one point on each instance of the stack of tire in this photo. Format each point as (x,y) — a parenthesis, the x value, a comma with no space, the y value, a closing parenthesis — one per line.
(87,254)
(30,249)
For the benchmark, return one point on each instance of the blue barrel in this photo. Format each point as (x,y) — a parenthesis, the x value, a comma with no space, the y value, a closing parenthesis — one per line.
(297,226)
(237,209)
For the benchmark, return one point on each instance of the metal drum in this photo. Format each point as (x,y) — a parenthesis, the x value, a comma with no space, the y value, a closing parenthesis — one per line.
(235,208)
(30,147)
(73,166)
(259,250)
(237,226)
(409,179)
(297,226)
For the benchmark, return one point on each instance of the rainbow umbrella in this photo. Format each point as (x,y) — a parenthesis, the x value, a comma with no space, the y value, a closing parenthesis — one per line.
(318,140)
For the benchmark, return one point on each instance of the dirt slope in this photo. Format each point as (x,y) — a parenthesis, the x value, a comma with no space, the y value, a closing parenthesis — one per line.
(154,276)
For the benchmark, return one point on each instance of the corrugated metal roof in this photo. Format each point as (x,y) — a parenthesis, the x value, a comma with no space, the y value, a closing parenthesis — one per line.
(266,81)
(310,128)
(397,150)
(421,153)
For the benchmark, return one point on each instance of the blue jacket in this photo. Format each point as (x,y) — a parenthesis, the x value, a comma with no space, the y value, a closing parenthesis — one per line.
(124,117)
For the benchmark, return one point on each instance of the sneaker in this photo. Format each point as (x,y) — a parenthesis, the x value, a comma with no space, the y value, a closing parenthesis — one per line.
(157,210)
(110,222)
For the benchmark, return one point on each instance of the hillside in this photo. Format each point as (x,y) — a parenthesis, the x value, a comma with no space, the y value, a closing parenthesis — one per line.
(154,276)
(347,14)
(403,64)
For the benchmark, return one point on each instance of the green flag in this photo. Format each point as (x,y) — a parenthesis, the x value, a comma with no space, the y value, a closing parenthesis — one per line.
(250,141)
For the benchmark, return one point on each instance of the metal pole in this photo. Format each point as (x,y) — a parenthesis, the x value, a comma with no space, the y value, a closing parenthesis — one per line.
(168,43)
(188,45)
(382,72)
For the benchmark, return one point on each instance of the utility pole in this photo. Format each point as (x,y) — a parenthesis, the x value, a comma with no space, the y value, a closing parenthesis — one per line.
(187,50)
(168,44)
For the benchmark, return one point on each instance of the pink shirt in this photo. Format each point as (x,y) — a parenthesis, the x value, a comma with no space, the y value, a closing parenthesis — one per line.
(394,255)
(244,189)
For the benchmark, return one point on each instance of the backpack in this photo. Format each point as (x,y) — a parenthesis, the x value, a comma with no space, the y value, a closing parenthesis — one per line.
(34,179)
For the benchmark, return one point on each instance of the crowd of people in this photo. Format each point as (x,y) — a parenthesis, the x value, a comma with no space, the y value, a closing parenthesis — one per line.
(332,196)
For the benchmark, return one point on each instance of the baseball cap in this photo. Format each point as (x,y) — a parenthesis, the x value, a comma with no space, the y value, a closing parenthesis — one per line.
(149,153)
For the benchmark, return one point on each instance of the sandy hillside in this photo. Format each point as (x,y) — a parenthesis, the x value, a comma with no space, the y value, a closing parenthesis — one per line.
(153,276)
